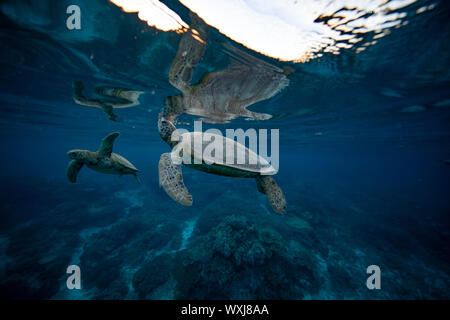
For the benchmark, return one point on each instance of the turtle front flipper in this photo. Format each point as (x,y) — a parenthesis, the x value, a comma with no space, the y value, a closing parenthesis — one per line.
(77,89)
(108,110)
(190,50)
(171,179)
(267,185)
(106,147)
(72,170)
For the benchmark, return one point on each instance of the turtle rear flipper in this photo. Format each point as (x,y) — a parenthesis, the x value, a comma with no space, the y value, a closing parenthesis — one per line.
(72,170)
(137,178)
(77,88)
(171,179)
(267,185)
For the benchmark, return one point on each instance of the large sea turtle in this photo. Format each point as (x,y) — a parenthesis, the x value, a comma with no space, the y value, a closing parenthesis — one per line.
(220,95)
(103,160)
(185,147)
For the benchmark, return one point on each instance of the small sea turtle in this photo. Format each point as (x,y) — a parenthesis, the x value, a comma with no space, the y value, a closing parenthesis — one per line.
(103,160)
(112,98)
(171,178)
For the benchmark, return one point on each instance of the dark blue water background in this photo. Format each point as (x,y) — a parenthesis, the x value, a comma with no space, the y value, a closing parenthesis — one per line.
(366,183)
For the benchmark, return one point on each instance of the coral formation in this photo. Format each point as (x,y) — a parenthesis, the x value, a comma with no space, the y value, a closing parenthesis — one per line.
(131,245)
(152,274)
(238,259)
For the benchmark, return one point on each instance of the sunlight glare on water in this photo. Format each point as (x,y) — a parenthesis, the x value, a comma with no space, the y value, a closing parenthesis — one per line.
(290,30)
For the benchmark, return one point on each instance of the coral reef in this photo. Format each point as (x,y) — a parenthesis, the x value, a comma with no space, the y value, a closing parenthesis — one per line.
(129,244)
(152,274)
(241,260)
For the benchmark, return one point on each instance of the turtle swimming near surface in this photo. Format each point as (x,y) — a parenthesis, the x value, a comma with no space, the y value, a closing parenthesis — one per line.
(222,95)
(170,174)
(111,98)
(103,160)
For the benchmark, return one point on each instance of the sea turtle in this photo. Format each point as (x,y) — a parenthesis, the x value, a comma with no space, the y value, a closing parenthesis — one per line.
(103,160)
(184,146)
(222,95)
(112,98)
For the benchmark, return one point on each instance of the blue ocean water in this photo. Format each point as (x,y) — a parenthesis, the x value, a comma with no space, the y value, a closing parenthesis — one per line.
(364,166)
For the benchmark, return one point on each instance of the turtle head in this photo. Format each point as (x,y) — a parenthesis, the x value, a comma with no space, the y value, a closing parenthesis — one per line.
(172,109)
(76,154)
